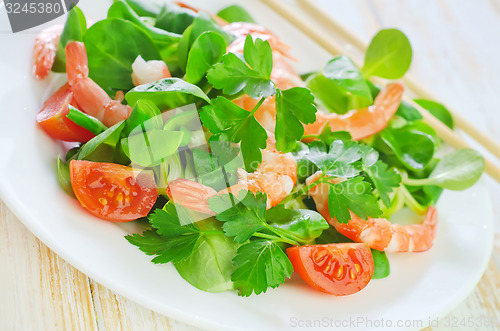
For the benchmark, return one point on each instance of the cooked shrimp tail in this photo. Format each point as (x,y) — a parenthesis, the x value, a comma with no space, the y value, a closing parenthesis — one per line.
(361,123)
(89,96)
(378,233)
(44,52)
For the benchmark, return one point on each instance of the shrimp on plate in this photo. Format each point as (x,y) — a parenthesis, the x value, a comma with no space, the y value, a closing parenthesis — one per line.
(378,233)
(276,176)
(144,72)
(361,123)
(89,96)
(44,52)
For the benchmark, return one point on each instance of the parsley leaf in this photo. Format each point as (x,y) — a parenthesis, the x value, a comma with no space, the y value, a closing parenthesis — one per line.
(260,264)
(149,242)
(340,161)
(355,195)
(224,119)
(293,107)
(171,241)
(167,223)
(384,179)
(245,218)
(253,76)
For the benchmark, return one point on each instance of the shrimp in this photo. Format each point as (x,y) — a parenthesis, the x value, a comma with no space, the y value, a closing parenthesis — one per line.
(276,176)
(89,96)
(378,233)
(145,72)
(44,52)
(361,123)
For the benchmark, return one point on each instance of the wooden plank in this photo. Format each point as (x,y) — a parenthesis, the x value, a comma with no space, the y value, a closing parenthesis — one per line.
(115,312)
(38,289)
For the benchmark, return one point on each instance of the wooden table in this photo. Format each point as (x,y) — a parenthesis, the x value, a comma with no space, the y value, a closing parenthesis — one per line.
(456,45)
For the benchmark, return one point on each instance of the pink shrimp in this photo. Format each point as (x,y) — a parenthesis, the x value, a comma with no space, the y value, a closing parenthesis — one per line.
(89,96)
(144,72)
(361,123)
(378,233)
(44,52)
(275,176)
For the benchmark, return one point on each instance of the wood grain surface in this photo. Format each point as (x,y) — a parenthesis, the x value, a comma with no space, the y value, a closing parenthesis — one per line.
(456,45)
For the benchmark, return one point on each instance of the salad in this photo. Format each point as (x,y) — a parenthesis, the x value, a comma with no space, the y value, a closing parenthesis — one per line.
(239,170)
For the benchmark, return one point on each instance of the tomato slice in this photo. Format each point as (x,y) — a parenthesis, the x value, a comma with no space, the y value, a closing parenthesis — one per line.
(52,118)
(338,269)
(113,192)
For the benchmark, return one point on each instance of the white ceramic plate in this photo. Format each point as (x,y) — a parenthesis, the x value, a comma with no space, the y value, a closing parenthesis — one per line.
(420,285)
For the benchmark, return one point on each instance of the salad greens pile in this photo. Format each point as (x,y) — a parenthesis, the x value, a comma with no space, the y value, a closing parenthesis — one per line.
(242,246)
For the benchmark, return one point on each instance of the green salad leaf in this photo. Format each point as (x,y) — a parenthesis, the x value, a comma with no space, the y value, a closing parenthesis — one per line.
(458,170)
(251,74)
(201,24)
(111,55)
(384,179)
(145,8)
(170,241)
(413,145)
(294,107)
(328,94)
(152,147)
(86,121)
(302,225)
(381,264)
(101,148)
(438,110)
(340,161)
(63,175)
(206,51)
(408,112)
(235,13)
(166,42)
(74,29)
(388,55)
(245,216)
(167,93)
(226,120)
(212,254)
(144,113)
(344,73)
(354,195)
(260,264)
(175,18)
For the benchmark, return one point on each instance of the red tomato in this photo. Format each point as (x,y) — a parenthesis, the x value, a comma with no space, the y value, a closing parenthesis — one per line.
(113,192)
(338,269)
(52,118)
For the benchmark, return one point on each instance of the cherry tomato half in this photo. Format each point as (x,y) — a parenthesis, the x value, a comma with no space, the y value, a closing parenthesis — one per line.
(338,269)
(52,118)
(113,192)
